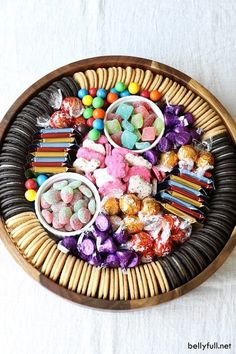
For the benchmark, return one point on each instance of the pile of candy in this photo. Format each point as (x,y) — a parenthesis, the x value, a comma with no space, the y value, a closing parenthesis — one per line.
(32,185)
(68,205)
(134,125)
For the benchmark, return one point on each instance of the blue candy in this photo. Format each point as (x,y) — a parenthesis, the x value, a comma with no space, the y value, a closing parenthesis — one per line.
(124,93)
(98,124)
(82,92)
(41,179)
(101,93)
(113,90)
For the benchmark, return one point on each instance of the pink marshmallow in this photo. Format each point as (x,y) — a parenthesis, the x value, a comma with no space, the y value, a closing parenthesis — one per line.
(138,171)
(89,154)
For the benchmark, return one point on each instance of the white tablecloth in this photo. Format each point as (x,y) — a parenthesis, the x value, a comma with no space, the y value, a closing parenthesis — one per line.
(197,37)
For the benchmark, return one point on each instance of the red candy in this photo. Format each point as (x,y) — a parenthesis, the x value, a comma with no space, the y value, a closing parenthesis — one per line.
(72,106)
(162,249)
(179,237)
(145,93)
(90,122)
(142,243)
(60,119)
(31,184)
(93,91)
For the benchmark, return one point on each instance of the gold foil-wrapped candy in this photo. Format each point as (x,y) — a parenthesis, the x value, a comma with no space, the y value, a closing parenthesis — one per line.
(205,158)
(111,206)
(187,152)
(169,159)
(130,204)
(150,206)
(133,224)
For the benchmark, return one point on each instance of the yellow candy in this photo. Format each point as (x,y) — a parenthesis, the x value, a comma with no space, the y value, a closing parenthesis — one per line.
(133,88)
(111,206)
(30,195)
(87,100)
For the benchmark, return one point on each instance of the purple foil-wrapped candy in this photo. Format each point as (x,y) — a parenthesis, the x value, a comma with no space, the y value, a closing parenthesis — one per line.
(165,145)
(87,247)
(68,243)
(108,246)
(189,117)
(125,257)
(183,138)
(134,260)
(174,109)
(102,222)
(120,235)
(171,136)
(170,120)
(151,156)
(179,128)
(112,261)
(95,259)
(195,133)
(102,235)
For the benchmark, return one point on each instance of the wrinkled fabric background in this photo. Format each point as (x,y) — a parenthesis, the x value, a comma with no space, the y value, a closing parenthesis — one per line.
(37,36)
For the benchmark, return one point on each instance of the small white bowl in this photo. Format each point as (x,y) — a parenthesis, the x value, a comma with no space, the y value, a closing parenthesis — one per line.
(131,99)
(59,177)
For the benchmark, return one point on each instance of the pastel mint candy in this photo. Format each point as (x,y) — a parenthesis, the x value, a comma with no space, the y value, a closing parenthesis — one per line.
(85,191)
(52,196)
(125,110)
(128,139)
(92,206)
(159,125)
(127,126)
(59,185)
(75,223)
(64,215)
(80,204)
(57,207)
(55,222)
(75,184)
(137,120)
(84,215)
(47,215)
(141,146)
(113,126)
(137,132)
(77,196)
(67,194)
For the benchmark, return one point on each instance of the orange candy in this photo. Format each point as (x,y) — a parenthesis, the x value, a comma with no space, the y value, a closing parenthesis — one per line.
(112,97)
(98,113)
(155,95)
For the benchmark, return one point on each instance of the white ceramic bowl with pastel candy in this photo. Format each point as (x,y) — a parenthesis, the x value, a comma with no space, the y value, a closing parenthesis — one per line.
(71,177)
(130,125)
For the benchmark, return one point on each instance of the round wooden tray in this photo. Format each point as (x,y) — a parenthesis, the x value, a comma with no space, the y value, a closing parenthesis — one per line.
(209,114)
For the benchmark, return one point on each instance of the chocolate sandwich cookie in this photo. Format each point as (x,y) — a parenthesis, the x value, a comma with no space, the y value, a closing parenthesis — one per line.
(221,138)
(211,242)
(225,166)
(187,262)
(195,254)
(9,202)
(179,268)
(72,84)
(7,176)
(211,230)
(207,252)
(227,155)
(42,105)
(8,213)
(219,149)
(29,126)
(45,95)
(10,157)
(17,142)
(21,133)
(10,165)
(220,214)
(60,85)
(226,189)
(171,274)
(33,111)
(221,225)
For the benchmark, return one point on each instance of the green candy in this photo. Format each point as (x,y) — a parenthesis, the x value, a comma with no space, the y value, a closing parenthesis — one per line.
(80,204)
(94,134)
(141,146)
(75,184)
(159,125)
(137,132)
(137,120)
(120,86)
(113,126)
(88,113)
(59,185)
(98,102)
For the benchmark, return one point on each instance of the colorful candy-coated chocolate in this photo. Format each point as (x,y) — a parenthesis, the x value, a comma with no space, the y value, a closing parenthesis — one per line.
(124,93)
(30,195)
(31,184)
(82,92)
(90,122)
(155,95)
(101,93)
(145,93)
(98,102)
(113,90)
(93,91)
(88,113)
(98,124)
(87,100)
(94,134)
(112,97)
(133,88)
(120,86)
(98,113)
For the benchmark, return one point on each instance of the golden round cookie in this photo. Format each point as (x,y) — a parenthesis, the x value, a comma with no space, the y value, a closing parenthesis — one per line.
(75,275)
(90,78)
(172,91)
(121,284)
(139,76)
(188,97)
(119,74)
(110,78)
(179,95)
(20,230)
(29,237)
(200,110)
(105,74)
(42,253)
(81,79)
(212,123)
(192,106)
(154,281)
(116,284)
(66,271)
(86,279)
(149,280)
(156,82)
(130,283)
(213,132)
(158,276)
(204,118)
(82,277)
(126,286)
(128,75)
(93,281)
(111,285)
(135,283)
(18,219)
(140,282)
(163,276)
(106,283)
(166,86)
(100,77)
(115,75)
(95,78)
(50,259)
(144,281)
(58,265)
(147,80)
(31,250)
(101,284)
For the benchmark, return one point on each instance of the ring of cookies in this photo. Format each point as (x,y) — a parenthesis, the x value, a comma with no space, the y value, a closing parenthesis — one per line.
(121,176)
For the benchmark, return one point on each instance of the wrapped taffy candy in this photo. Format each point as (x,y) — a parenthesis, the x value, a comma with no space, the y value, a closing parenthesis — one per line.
(142,243)
(187,156)
(130,204)
(150,206)
(204,162)
(111,205)
(72,106)
(168,160)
